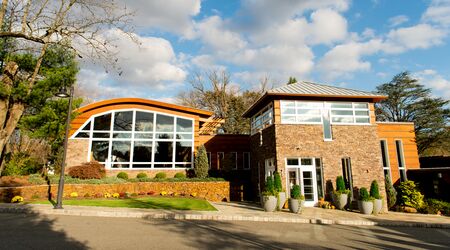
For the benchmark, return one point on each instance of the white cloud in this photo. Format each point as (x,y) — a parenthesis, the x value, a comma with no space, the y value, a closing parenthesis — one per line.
(438,12)
(170,15)
(206,62)
(347,58)
(421,36)
(214,33)
(151,64)
(397,20)
(438,84)
(327,26)
(287,60)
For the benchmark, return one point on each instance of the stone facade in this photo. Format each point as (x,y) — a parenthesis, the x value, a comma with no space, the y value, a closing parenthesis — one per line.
(358,142)
(211,191)
(77,152)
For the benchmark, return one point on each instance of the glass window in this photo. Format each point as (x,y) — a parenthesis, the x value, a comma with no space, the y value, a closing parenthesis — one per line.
(99,150)
(87,127)
(401,160)
(184,125)
(246,160)
(306,161)
(209,159)
(319,177)
(164,123)
(262,119)
(220,158)
(233,160)
(292,162)
(102,122)
(144,121)
(163,151)
(82,134)
(350,113)
(183,151)
(142,151)
(123,121)
(120,151)
(121,135)
(304,112)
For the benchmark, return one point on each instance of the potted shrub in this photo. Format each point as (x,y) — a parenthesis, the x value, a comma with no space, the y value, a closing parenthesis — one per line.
(297,200)
(375,194)
(340,196)
(269,199)
(281,197)
(365,202)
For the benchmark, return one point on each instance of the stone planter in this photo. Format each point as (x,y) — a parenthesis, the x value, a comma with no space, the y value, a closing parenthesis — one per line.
(281,200)
(365,207)
(296,206)
(340,200)
(377,206)
(269,203)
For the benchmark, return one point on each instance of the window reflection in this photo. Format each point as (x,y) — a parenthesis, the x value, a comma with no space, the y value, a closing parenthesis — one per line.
(102,122)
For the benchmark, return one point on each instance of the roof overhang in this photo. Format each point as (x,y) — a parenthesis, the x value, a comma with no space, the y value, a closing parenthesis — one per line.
(141,101)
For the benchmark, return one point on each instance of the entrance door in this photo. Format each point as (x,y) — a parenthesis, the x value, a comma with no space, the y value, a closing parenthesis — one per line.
(305,176)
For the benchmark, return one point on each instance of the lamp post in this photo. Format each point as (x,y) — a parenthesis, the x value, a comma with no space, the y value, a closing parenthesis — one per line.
(63,94)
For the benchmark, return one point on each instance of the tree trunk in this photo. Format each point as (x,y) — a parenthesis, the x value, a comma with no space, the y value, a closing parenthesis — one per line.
(10,113)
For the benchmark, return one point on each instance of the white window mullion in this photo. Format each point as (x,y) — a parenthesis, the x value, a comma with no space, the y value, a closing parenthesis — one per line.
(133,119)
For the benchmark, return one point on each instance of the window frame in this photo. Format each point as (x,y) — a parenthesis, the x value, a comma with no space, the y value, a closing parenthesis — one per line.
(387,160)
(259,118)
(400,159)
(248,160)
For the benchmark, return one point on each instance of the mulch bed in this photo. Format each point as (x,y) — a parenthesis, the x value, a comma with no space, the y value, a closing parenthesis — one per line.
(14,181)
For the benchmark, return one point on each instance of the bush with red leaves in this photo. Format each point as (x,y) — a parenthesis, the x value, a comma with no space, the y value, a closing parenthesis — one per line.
(88,170)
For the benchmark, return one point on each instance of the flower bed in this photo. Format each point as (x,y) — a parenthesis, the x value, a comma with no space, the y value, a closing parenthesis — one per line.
(209,190)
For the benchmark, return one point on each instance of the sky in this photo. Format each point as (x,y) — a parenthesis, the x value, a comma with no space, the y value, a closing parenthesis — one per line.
(352,44)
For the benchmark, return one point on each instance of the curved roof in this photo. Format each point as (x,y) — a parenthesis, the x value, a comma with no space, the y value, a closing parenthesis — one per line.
(141,101)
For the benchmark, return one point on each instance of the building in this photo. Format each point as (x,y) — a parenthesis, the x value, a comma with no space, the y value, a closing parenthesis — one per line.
(310,133)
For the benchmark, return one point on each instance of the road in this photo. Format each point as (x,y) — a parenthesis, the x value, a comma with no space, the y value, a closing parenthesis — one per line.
(24,231)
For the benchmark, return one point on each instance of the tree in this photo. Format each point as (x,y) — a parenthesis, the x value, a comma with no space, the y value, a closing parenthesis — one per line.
(292,80)
(410,101)
(39,26)
(201,164)
(217,94)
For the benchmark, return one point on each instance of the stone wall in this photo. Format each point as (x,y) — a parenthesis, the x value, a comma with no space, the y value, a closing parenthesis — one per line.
(360,143)
(77,152)
(211,191)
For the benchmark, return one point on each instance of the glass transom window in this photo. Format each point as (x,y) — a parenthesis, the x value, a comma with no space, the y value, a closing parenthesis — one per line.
(139,139)
(310,112)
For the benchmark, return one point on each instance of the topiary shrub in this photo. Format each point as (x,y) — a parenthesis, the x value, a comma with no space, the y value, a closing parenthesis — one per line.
(201,164)
(141,176)
(179,175)
(122,175)
(277,182)
(296,194)
(161,175)
(269,188)
(88,170)
(340,184)
(374,190)
(391,193)
(364,194)
(409,195)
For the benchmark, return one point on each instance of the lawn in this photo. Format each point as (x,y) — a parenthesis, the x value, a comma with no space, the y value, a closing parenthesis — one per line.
(146,202)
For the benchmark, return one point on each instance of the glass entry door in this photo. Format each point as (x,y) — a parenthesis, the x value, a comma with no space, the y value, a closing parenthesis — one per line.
(305,176)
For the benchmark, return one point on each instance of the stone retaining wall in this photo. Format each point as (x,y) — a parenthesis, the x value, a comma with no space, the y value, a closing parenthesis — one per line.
(211,191)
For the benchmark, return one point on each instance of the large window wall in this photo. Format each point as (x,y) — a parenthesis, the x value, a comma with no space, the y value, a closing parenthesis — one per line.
(138,139)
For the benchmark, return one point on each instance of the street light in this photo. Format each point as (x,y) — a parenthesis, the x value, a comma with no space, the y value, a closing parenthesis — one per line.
(63,94)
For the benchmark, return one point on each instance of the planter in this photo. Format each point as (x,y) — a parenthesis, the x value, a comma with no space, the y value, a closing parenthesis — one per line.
(296,206)
(365,207)
(340,201)
(269,203)
(281,200)
(377,206)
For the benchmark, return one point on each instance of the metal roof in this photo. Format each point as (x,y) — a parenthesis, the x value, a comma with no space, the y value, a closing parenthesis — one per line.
(309,88)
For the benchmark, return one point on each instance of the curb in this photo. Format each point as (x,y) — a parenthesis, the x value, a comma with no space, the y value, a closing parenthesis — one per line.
(210,217)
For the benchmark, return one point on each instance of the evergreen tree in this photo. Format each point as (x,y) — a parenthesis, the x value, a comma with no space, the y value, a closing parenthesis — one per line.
(201,164)
(410,101)
(292,80)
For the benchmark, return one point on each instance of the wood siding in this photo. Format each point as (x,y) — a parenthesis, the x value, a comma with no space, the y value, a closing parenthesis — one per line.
(404,132)
(226,144)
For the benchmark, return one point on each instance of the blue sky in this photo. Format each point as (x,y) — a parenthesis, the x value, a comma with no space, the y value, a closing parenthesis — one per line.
(355,44)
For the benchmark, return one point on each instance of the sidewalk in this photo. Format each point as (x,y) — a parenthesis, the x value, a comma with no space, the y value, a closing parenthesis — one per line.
(243,212)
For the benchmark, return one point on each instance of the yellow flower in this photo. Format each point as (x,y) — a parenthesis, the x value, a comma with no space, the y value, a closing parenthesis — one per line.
(115,195)
(17,199)
(193,194)
(163,193)
(107,195)
(74,194)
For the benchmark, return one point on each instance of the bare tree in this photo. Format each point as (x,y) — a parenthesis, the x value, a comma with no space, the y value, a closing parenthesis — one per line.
(37,24)
(213,91)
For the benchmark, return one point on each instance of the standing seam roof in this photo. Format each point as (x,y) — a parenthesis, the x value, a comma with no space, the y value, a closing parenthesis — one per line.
(308,88)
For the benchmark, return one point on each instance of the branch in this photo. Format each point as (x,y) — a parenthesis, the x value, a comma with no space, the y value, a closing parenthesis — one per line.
(21,35)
